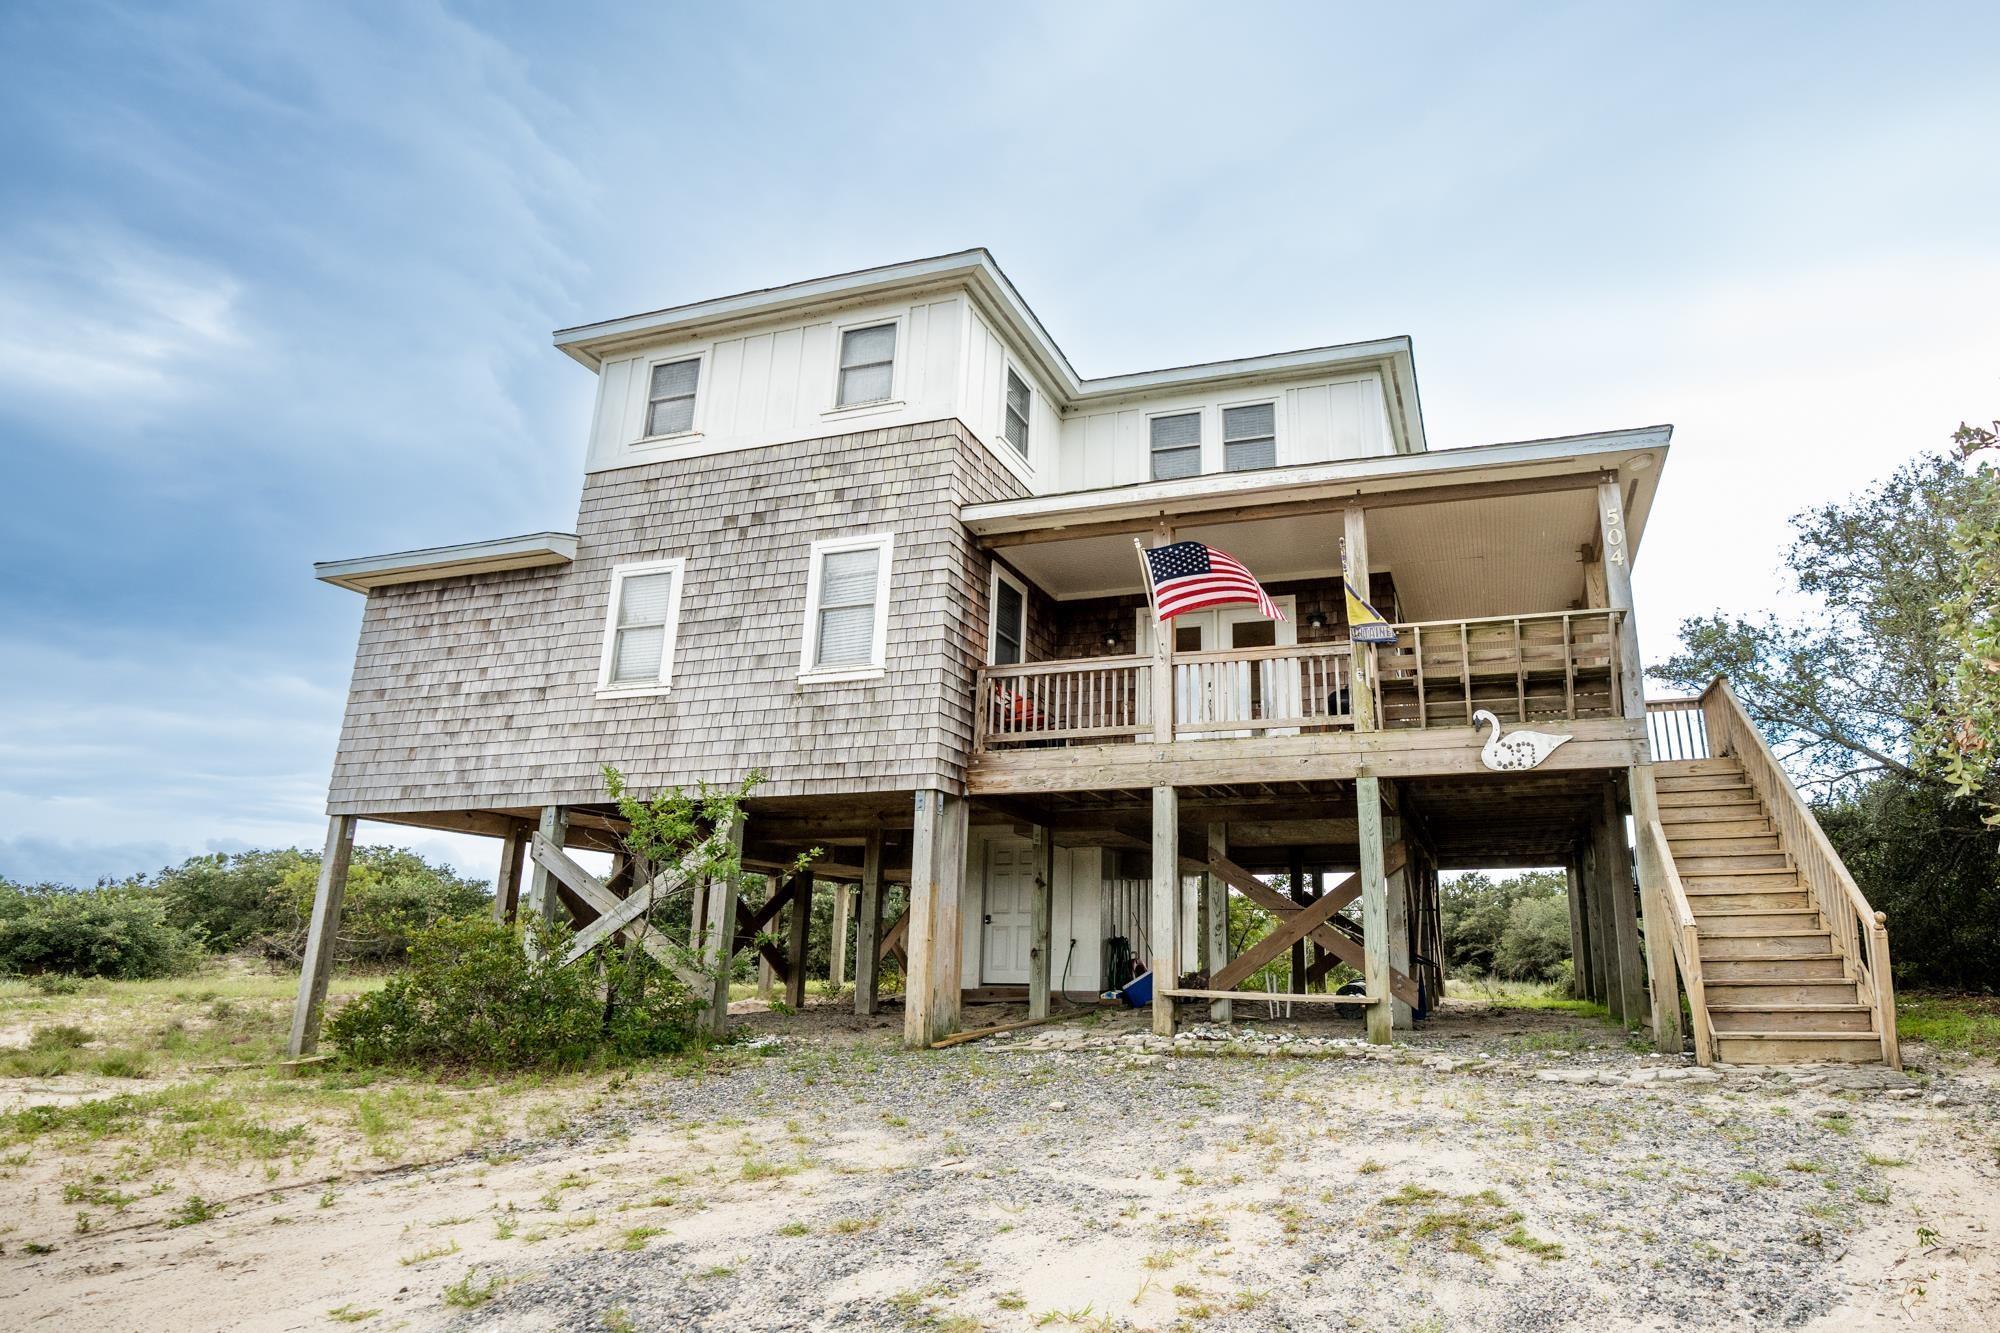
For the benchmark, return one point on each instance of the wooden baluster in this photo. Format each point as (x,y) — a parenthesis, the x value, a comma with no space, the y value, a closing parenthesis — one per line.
(1423,713)
(1569,671)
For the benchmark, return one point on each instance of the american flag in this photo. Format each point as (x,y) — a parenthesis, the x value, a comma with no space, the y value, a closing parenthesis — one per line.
(1188,576)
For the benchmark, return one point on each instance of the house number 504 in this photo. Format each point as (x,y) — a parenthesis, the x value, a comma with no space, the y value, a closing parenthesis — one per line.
(1614,537)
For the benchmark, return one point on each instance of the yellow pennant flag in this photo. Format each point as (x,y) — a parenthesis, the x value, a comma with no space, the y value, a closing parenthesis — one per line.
(1364,623)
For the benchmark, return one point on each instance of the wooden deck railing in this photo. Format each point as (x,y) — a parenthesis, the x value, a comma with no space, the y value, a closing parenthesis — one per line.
(1677,729)
(1097,698)
(1860,931)
(1562,664)
(1656,866)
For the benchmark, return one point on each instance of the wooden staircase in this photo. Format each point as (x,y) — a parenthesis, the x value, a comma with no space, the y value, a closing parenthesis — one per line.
(1778,977)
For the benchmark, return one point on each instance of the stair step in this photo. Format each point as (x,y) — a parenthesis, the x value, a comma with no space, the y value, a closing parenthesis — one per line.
(1705,844)
(1730,865)
(1784,1048)
(1826,967)
(1777,991)
(1722,796)
(1702,782)
(1728,827)
(1806,947)
(1685,768)
(1738,881)
(1738,1018)
(1712,902)
(1759,921)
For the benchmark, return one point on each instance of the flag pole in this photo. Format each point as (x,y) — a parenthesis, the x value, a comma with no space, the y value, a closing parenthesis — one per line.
(1146,572)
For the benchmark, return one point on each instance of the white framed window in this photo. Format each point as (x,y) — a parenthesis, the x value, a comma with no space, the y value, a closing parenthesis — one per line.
(847,608)
(1014,412)
(640,626)
(1175,440)
(670,395)
(867,365)
(1007,630)
(1249,436)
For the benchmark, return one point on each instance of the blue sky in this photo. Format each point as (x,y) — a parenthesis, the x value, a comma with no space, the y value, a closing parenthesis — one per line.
(276,284)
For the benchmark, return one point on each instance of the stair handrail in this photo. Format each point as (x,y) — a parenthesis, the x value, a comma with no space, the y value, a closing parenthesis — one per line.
(1685,934)
(1830,888)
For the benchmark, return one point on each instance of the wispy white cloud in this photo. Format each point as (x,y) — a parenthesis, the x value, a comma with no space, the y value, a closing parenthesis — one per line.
(99,315)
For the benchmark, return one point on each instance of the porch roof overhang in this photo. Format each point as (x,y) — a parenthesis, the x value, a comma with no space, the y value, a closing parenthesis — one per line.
(532,550)
(1485,530)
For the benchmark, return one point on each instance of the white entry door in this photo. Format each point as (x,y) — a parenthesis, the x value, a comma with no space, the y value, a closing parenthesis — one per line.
(1226,691)
(1008,930)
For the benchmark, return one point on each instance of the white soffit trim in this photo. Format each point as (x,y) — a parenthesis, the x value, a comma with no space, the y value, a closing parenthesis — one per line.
(1609,451)
(533,550)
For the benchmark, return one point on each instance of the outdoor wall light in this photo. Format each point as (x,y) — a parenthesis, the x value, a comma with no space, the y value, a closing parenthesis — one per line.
(1315,620)
(1111,639)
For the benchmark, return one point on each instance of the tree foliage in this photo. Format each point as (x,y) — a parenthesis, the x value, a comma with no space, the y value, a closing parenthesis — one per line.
(1963,737)
(113,930)
(470,997)
(1516,928)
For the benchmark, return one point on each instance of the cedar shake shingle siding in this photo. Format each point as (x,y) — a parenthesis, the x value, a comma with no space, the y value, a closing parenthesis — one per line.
(480,692)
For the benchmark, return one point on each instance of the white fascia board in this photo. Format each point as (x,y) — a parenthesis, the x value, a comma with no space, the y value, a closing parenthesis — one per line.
(1609,451)
(533,550)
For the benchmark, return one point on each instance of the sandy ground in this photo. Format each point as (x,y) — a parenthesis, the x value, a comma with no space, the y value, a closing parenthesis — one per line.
(1077,1176)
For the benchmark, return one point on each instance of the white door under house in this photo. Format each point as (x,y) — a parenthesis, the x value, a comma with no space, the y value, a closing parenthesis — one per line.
(1208,695)
(1007,924)
(1077,921)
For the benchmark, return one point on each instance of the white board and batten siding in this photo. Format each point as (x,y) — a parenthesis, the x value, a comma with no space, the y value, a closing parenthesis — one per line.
(1317,421)
(778,383)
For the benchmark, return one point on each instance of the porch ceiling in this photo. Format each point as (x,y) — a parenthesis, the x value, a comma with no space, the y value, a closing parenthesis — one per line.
(1452,559)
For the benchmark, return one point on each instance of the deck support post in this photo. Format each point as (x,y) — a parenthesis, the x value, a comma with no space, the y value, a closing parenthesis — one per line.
(718,936)
(543,902)
(843,918)
(1374,909)
(1041,916)
(1295,889)
(507,885)
(1579,938)
(1595,920)
(1617,557)
(1617,869)
(322,934)
(1405,1018)
(868,928)
(1165,943)
(937,879)
(1215,922)
(1361,661)
(1662,974)
(800,923)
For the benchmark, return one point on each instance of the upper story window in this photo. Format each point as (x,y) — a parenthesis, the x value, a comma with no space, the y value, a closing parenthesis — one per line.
(670,402)
(1009,637)
(1250,436)
(1176,443)
(867,365)
(847,607)
(1015,428)
(640,629)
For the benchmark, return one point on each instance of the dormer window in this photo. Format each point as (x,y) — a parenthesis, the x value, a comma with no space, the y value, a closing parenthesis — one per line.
(867,365)
(1176,442)
(1249,437)
(670,403)
(1015,427)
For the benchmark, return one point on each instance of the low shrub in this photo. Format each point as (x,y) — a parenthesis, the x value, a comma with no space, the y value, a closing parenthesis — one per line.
(112,930)
(471,996)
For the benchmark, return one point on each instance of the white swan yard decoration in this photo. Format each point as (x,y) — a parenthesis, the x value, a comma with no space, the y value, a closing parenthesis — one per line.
(1517,753)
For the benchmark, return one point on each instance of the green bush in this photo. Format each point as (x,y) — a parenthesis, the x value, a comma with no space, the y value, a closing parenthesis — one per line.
(472,997)
(231,900)
(1485,933)
(1535,944)
(112,930)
